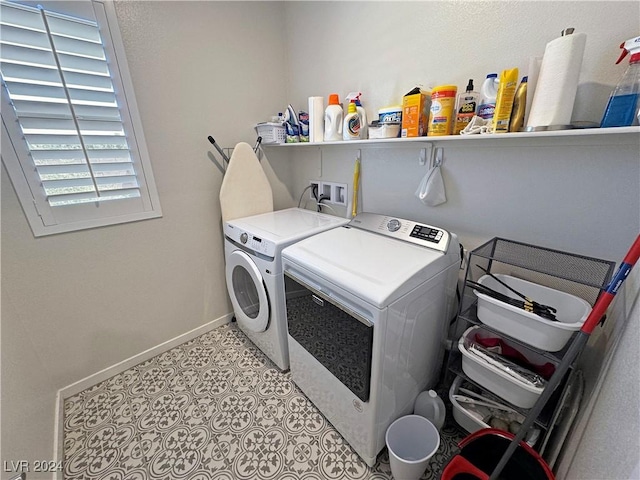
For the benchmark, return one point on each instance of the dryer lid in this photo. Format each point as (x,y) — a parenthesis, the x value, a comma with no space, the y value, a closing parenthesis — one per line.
(376,268)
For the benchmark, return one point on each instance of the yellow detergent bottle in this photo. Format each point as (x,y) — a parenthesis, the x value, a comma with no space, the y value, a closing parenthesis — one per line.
(519,106)
(504,101)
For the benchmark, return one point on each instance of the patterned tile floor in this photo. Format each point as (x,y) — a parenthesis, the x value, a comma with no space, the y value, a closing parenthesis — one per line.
(212,408)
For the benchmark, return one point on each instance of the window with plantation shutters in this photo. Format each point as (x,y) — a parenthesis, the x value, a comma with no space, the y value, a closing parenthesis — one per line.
(72,140)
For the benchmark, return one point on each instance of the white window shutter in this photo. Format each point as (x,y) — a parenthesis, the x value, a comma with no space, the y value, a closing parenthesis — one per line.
(73,132)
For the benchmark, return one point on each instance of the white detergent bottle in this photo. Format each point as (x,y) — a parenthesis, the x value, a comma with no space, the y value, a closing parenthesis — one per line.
(351,128)
(430,406)
(364,130)
(333,120)
(488,94)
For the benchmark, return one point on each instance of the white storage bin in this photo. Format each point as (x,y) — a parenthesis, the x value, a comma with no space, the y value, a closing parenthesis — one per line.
(528,327)
(514,391)
(271,132)
(384,130)
(460,414)
(471,423)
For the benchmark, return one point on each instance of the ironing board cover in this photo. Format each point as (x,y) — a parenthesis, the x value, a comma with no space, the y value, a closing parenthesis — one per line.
(245,189)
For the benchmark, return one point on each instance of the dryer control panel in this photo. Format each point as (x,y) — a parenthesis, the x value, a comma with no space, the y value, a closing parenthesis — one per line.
(401,229)
(249,241)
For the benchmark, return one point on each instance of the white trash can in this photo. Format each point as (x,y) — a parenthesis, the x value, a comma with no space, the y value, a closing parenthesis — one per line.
(412,440)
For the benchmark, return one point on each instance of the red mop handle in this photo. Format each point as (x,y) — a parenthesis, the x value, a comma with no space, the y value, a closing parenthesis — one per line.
(607,295)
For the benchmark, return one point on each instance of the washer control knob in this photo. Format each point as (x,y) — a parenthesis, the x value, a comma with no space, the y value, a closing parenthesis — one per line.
(393,225)
(244,237)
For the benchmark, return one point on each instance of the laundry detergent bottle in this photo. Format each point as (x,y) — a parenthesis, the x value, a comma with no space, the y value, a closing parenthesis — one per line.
(364,131)
(351,128)
(622,109)
(333,120)
(430,406)
(488,94)
(519,105)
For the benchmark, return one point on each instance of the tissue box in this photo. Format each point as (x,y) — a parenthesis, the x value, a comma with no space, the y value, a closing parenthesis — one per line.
(415,114)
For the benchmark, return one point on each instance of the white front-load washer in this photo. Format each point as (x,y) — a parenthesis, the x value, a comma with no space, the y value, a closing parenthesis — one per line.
(367,311)
(255,282)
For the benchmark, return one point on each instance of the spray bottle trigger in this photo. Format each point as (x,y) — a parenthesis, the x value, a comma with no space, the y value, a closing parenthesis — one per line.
(623,54)
(353,96)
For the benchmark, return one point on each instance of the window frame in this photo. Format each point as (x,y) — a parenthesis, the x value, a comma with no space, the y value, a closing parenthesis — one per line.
(48,220)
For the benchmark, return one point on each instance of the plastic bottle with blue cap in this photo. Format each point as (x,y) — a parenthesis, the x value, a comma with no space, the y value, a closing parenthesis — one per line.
(488,94)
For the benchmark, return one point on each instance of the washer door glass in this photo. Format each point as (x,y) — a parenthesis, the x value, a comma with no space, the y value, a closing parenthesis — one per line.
(247,292)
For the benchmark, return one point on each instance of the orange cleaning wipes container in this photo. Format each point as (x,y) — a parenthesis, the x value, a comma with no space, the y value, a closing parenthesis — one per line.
(441,116)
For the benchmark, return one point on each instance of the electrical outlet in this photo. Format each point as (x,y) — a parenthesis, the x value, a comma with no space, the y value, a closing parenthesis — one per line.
(331,192)
(339,194)
(326,190)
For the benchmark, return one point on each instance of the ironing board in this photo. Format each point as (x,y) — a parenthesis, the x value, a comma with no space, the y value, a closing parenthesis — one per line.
(245,189)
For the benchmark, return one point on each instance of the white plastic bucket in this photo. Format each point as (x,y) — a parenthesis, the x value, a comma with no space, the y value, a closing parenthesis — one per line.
(412,440)
(526,326)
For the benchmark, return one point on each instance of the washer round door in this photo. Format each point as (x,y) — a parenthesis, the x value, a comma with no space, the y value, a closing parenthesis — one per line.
(247,292)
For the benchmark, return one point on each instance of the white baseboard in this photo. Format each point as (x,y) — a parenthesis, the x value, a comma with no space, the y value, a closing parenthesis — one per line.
(80,385)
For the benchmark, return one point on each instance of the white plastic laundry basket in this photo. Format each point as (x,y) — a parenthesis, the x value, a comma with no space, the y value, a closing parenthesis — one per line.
(519,393)
(528,327)
(271,132)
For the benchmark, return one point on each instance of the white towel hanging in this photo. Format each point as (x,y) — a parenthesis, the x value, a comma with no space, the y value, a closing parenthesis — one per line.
(431,189)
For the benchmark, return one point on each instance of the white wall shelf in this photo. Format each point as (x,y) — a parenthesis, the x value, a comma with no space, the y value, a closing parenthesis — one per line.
(599,135)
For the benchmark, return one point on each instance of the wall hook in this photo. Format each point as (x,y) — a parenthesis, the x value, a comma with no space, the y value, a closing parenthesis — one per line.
(425,154)
(438,157)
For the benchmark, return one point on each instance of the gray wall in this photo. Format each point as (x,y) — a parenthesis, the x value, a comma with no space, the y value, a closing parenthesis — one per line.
(576,194)
(609,444)
(76,303)
(541,191)
(217,68)
(384,49)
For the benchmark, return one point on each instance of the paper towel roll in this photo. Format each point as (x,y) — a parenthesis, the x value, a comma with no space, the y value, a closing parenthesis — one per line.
(316,119)
(558,82)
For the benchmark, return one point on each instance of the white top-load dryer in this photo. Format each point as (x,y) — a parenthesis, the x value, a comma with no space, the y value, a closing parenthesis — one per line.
(254,277)
(368,307)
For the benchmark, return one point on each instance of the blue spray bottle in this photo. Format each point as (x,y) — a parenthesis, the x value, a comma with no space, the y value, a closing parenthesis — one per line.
(622,109)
